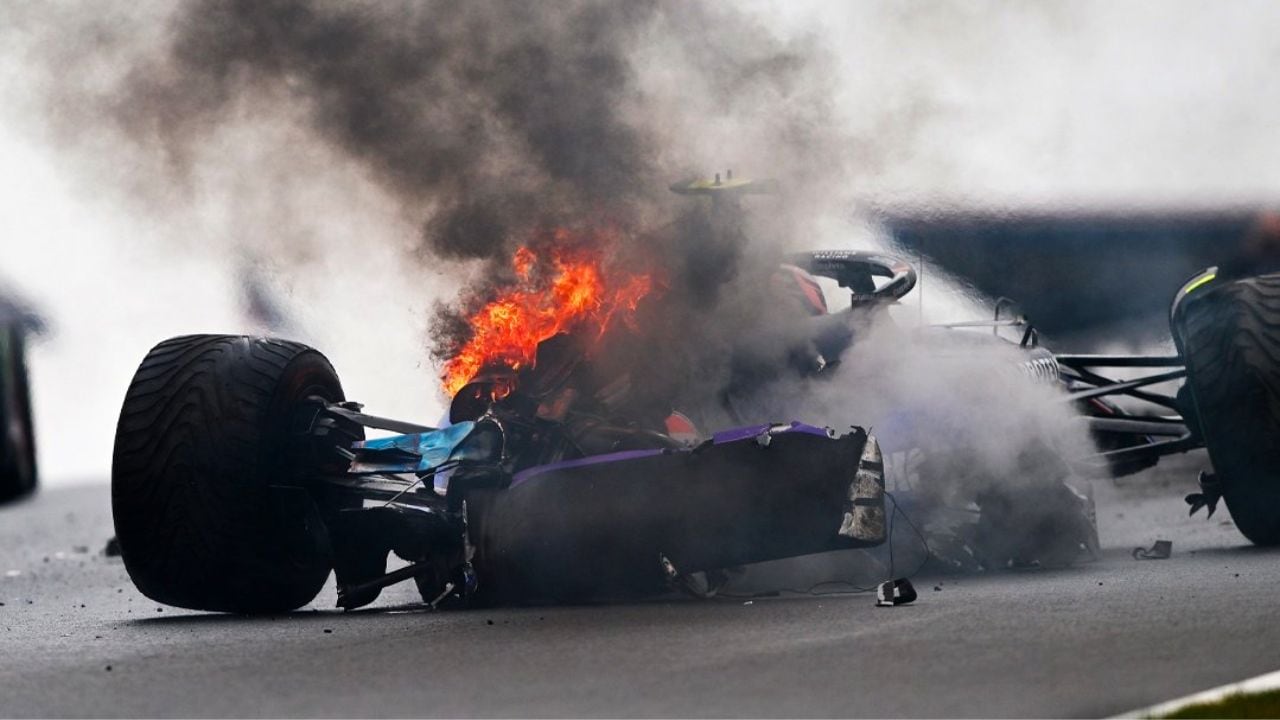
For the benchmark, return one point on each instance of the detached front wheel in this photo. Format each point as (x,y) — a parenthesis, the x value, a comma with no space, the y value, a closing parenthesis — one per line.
(210,486)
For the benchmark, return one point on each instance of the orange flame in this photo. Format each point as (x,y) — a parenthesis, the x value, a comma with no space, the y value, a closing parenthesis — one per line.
(567,289)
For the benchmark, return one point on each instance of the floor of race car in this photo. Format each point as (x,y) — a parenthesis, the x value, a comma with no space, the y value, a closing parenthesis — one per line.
(1094,640)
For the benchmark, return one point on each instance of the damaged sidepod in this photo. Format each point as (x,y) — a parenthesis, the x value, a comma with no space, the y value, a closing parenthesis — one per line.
(864,516)
(619,525)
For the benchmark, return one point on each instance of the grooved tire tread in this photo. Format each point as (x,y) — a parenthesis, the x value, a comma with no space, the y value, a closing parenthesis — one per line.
(1231,339)
(200,439)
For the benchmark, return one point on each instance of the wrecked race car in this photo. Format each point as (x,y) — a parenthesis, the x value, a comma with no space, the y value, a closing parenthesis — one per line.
(244,454)
(1220,392)
(241,477)
(1225,325)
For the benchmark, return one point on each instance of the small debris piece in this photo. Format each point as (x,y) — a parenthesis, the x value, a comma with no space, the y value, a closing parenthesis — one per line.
(1160,551)
(12,573)
(108,668)
(112,548)
(1208,497)
(749,602)
(488,622)
(159,609)
(895,592)
(937,588)
(328,631)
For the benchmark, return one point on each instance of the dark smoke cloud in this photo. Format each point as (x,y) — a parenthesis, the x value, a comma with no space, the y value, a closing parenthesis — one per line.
(482,117)
(490,122)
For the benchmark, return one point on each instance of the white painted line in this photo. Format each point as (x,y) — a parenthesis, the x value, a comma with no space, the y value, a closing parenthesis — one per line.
(1262,683)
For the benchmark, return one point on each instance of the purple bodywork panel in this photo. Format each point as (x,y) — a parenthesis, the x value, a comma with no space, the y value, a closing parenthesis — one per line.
(754,431)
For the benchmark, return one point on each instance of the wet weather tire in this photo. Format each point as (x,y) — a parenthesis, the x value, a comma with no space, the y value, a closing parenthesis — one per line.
(210,499)
(1231,341)
(17,434)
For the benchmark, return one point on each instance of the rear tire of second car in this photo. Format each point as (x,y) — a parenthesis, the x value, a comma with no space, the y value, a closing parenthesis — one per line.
(1230,337)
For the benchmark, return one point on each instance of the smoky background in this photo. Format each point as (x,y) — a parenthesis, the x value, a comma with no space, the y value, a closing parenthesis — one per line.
(337,171)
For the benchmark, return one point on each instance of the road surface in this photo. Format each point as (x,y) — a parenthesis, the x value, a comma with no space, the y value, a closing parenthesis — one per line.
(1093,640)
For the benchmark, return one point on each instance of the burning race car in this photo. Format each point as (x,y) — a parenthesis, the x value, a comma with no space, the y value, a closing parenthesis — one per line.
(242,476)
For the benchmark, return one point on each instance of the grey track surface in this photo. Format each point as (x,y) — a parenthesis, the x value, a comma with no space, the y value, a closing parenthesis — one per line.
(1093,640)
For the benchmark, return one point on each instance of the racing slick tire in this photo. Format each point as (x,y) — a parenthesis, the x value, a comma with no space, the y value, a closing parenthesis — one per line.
(209,482)
(1230,338)
(17,434)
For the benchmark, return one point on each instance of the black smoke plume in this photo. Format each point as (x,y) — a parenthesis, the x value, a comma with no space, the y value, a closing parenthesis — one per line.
(490,122)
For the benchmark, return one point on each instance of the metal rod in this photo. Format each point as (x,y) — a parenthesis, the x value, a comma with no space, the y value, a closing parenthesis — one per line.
(1030,336)
(1144,426)
(1126,386)
(1120,360)
(384,489)
(379,423)
(1097,380)
(1158,449)
(982,324)
(400,494)
(391,578)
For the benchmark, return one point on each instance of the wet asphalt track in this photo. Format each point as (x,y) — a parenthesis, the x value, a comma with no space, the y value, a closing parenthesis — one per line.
(76,639)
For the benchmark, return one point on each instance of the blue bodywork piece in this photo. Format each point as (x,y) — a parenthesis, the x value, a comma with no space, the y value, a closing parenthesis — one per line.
(419,452)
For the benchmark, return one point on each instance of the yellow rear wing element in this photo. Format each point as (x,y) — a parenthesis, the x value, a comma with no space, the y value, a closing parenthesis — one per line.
(729,185)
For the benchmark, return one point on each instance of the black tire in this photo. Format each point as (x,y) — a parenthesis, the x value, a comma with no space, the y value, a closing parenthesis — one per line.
(1230,339)
(17,433)
(209,482)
